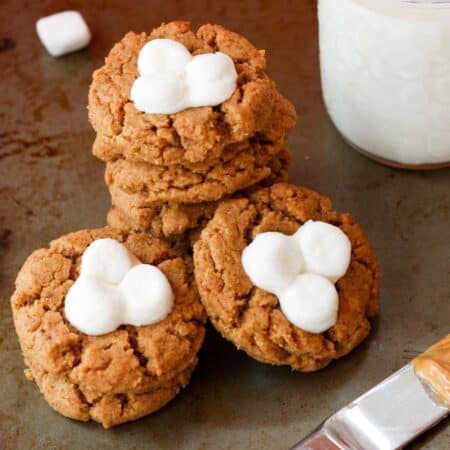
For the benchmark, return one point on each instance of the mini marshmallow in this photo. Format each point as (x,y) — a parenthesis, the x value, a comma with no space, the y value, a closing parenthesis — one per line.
(64,32)
(148,295)
(171,79)
(301,270)
(271,261)
(93,306)
(162,57)
(108,260)
(159,95)
(211,79)
(115,289)
(326,249)
(311,303)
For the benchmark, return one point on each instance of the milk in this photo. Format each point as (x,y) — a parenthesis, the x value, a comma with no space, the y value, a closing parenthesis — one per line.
(385,67)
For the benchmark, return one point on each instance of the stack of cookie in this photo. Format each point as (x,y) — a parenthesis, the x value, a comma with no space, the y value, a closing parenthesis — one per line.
(166,172)
(110,321)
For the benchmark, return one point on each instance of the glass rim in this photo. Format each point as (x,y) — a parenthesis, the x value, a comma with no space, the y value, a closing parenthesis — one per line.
(421,3)
(427,2)
(419,9)
(410,3)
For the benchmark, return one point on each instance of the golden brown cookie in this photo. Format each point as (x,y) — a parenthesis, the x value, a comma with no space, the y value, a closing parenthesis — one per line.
(119,376)
(279,169)
(104,151)
(133,213)
(251,317)
(167,220)
(195,183)
(255,110)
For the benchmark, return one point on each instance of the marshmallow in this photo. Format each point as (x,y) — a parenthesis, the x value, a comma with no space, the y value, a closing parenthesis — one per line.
(301,270)
(148,295)
(107,260)
(171,79)
(63,32)
(326,249)
(93,306)
(271,261)
(115,289)
(311,303)
(211,79)
(163,57)
(158,95)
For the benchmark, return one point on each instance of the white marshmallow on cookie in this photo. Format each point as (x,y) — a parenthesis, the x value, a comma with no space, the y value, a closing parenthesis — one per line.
(159,94)
(161,57)
(148,295)
(326,249)
(211,79)
(301,270)
(93,306)
(272,262)
(114,288)
(171,79)
(63,32)
(311,303)
(107,260)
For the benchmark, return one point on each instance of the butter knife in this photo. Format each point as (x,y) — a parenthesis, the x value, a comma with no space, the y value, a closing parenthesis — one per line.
(387,417)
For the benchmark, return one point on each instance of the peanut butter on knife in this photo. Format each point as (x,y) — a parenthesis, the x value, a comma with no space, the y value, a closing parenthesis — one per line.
(433,369)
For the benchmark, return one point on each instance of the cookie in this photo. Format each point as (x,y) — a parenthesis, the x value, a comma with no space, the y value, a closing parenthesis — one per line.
(279,168)
(166,221)
(119,376)
(197,183)
(255,110)
(250,317)
(131,212)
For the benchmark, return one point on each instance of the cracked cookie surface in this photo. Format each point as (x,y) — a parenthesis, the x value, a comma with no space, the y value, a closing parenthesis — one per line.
(131,212)
(119,376)
(170,221)
(251,317)
(255,110)
(196,183)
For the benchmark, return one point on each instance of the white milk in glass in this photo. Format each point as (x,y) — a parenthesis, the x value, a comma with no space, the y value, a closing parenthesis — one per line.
(385,67)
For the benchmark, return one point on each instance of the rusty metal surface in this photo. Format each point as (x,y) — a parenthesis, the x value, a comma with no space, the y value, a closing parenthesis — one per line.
(50,185)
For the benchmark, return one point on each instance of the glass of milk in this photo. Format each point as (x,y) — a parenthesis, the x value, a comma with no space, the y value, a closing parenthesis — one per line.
(385,67)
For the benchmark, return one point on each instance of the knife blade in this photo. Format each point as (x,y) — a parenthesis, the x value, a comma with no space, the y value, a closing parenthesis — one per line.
(387,417)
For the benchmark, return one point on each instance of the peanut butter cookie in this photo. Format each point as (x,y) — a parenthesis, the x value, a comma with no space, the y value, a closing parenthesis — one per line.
(251,317)
(167,220)
(131,212)
(255,110)
(195,183)
(119,376)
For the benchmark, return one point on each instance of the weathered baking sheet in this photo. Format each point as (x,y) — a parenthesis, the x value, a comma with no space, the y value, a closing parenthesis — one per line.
(50,185)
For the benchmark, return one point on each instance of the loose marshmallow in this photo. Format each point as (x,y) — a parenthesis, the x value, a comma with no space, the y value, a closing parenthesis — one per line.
(211,79)
(163,57)
(272,262)
(159,95)
(148,295)
(93,306)
(326,249)
(301,270)
(311,303)
(63,32)
(107,260)
(115,289)
(171,79)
